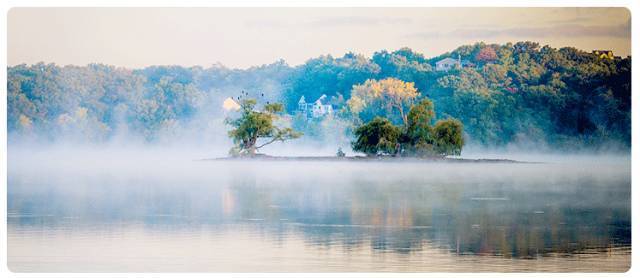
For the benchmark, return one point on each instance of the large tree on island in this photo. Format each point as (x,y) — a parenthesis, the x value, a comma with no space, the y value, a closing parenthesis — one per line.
(256,129)
(416,137)
(448,137)
(379,136)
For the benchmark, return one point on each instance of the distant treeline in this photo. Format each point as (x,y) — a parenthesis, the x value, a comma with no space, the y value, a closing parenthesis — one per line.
(518,93)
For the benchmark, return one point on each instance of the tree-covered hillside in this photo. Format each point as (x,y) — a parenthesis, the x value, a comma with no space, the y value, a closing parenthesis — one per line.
(513,93)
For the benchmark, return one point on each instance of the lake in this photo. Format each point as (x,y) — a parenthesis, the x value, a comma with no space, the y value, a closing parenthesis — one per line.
(162,214)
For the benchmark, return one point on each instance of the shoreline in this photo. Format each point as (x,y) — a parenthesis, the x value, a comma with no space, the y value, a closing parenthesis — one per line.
(367,159)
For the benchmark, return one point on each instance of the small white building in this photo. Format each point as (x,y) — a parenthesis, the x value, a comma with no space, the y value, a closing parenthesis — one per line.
(302,105)
(447,64)
(316,109)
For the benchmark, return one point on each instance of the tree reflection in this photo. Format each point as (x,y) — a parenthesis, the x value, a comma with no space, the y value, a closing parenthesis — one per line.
(404,215)
(510,217)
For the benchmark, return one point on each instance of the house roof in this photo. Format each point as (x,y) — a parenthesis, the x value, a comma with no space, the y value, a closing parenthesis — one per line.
(322,97)
(447,60)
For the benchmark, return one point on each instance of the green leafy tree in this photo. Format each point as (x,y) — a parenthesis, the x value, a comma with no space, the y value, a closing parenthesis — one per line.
(256,129)
(448,137)
(328,75)
(404,64)
(419,120)
(418,138)
(379,136)
(527,93)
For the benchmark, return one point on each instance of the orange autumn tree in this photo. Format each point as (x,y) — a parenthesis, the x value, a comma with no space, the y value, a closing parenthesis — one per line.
(487,54)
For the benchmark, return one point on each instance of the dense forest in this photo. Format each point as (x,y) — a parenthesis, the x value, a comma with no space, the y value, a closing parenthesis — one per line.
(520,94)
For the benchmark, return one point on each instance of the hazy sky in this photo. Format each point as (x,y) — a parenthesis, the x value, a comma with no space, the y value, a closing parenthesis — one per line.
(243,37)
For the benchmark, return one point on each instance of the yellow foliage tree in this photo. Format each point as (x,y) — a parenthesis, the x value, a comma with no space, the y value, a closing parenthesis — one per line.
(25,123)
(390,94)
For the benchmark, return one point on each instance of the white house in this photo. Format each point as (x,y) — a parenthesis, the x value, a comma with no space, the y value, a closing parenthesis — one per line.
(302,105)
(447,64)
(316,109)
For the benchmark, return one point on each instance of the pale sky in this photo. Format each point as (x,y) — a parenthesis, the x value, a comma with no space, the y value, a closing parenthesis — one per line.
(244,37)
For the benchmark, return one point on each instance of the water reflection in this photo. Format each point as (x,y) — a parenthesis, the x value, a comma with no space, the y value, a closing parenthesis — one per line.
(500,210)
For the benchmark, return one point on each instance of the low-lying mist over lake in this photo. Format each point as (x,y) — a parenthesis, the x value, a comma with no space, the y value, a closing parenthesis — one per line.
(152,210)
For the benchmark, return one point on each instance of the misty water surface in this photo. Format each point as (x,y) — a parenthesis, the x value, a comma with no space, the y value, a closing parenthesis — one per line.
(154,211)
